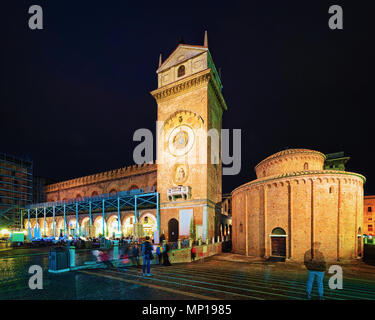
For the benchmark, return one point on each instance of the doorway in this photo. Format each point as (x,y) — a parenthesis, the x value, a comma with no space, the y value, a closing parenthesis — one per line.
(173,230)
(278,243)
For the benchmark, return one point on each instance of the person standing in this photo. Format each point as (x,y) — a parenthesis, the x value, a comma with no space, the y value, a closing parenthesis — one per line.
(146,255)
(193,253)
(159,252)
(165,255)
(316,266)
(135,254)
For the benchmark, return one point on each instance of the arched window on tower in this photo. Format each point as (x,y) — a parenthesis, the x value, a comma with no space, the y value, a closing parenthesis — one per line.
(306,166)
(181,71)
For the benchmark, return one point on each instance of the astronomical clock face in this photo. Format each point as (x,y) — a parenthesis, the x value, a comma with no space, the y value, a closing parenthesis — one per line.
(181,140)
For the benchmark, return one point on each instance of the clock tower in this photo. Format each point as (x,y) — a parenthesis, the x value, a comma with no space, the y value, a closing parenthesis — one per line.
(189,173)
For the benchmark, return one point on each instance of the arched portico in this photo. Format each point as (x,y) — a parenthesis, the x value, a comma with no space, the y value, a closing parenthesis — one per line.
(149,224)
(113,225)
(128,226)
(98,224)
(85,227)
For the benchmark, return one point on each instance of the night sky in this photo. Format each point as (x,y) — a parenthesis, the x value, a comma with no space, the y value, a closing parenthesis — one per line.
(73,94)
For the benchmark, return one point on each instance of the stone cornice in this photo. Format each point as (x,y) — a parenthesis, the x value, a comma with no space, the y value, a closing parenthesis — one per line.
(188,83)
(102,177)
(299,174)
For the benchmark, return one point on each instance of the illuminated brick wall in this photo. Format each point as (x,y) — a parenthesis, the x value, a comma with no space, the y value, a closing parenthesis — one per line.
(128,178)
(309,205)
(368,215)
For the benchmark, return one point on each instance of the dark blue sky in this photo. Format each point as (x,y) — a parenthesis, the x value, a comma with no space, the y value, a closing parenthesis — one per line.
(73,94)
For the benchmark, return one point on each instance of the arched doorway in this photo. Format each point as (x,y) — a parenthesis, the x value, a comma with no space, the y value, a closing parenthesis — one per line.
(278,243)
(128,227)
(113,226)
(148,222)
(60,228)
(72,228)
(98,224)
(172,230)
(85,227)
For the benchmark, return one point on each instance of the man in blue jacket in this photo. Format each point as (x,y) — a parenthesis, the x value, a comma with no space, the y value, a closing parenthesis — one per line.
(147,256)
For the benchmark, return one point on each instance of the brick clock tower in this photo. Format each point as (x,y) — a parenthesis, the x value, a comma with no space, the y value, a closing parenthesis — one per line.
(189,172)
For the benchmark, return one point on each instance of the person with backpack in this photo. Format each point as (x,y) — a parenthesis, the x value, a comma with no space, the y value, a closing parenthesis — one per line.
(147,257)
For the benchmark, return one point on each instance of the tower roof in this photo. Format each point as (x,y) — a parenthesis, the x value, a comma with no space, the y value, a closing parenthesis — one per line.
(182,53)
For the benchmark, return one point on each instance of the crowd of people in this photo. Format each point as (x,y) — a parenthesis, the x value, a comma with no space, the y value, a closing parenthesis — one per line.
(132,250)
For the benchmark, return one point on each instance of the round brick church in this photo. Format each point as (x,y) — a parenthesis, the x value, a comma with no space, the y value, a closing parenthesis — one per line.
(299,197)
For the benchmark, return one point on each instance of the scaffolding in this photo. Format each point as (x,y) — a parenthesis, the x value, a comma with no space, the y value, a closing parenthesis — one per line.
(106,203)
(16,189)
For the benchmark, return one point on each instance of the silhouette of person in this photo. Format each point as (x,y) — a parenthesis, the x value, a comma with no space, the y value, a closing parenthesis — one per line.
(316,266)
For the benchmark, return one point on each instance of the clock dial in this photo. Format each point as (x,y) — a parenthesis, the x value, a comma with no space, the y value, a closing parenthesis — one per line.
(181,140)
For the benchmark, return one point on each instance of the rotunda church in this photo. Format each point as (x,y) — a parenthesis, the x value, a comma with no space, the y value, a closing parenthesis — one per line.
(299,198)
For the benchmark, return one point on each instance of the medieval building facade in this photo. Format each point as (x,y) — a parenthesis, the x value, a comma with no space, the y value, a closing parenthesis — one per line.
(189,184)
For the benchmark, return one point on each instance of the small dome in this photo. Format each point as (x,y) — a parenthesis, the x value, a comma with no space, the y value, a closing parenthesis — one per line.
(290,160)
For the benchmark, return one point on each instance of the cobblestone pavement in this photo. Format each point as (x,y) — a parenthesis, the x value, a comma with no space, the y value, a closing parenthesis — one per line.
(224,276)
